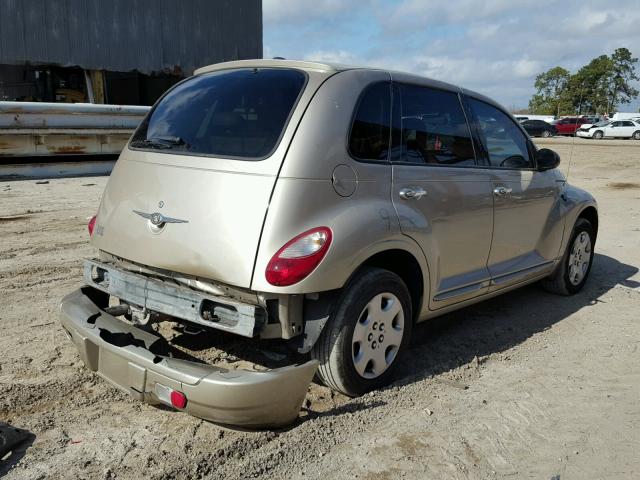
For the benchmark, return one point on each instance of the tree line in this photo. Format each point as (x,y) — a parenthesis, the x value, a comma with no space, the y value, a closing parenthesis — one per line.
(597,88)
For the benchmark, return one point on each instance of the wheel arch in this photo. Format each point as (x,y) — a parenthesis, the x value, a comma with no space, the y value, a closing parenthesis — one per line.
(406,266)
(590,213)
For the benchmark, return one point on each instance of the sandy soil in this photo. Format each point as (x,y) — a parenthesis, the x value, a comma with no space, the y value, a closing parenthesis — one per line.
(527,385)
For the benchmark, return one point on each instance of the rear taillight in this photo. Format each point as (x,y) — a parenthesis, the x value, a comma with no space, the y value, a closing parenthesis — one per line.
(298,257)
(91,225)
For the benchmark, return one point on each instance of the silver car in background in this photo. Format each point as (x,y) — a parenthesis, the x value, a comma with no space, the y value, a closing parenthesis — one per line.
(330,207)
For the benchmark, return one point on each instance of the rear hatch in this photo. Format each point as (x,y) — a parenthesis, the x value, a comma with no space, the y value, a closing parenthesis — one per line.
(190,192)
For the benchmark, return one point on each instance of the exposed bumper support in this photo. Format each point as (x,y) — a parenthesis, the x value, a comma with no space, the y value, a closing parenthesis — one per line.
(133,360)
(166,297)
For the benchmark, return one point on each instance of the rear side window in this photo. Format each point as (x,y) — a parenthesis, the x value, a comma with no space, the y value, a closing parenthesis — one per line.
(434,128)
(369,137)
(233,113)
(504,143)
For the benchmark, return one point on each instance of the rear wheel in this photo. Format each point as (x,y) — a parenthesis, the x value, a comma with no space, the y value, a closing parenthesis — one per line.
(369,330)
(571,273)
(636,135)
(598,135)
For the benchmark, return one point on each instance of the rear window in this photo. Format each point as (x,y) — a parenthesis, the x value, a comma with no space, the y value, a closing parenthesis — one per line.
(233,113)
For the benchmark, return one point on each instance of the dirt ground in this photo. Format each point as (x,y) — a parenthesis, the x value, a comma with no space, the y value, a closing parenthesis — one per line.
(524,386)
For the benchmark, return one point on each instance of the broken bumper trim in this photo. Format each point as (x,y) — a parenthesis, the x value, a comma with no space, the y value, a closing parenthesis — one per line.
(132,360)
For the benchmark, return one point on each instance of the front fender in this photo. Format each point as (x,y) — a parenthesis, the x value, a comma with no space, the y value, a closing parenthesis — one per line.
(574,201)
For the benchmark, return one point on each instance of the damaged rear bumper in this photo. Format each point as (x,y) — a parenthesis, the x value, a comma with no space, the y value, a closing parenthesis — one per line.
(133,360)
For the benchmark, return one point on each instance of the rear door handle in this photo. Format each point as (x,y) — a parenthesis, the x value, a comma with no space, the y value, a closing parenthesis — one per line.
(502,191)
(409,193)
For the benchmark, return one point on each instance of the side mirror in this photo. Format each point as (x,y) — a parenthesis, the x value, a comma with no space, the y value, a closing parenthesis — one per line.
(547,159)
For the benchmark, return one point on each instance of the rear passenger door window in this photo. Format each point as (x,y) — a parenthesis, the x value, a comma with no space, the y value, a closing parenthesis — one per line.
(434,129)
(369,136)
(504,144)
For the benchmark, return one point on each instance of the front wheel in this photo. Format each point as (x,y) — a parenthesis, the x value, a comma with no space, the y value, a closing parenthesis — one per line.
(368,331)
(636,135)
(546,134)
(571,273)
(598,135)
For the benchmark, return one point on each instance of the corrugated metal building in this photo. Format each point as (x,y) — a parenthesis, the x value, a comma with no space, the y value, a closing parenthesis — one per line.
(118,51)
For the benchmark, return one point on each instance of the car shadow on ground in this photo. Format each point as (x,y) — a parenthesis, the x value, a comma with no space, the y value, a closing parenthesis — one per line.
(498,324)
(443,343)
(18,450)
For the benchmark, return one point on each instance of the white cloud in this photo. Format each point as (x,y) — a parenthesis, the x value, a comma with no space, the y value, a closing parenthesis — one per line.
(291,11)
(495,47)
(484,30)
(428,13)
(585,21)
(524,67)
(339,56)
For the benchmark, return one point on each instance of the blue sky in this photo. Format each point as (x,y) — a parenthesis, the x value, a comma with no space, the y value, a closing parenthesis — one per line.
(495,47)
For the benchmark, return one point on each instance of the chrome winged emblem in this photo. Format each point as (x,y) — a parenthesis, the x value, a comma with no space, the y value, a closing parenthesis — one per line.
(159,219)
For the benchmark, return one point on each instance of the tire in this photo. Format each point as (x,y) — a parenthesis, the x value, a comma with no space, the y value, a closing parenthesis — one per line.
(636,135)
(352,326)
(565,279)
(546,134)
(598,135)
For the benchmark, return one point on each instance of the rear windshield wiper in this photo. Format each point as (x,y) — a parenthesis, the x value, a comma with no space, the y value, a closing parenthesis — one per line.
(158,142)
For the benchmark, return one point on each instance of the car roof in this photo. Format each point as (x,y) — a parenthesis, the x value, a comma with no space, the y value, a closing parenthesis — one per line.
(331,68)
(281,63)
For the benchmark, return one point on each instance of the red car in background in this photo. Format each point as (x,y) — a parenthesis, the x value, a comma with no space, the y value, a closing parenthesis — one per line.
(569,125)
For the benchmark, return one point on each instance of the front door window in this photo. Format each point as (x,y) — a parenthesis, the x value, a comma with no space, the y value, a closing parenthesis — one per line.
(504,143)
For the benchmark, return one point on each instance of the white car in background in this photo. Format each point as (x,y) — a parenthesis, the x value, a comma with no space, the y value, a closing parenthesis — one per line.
(614,129)
(588,126)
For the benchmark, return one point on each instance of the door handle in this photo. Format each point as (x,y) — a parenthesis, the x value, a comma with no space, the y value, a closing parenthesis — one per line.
(502,191)
(409,193)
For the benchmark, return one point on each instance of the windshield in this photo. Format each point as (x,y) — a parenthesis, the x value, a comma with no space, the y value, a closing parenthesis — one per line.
(232,113)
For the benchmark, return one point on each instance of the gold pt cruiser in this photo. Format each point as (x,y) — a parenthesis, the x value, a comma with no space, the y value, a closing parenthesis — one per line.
(331,207)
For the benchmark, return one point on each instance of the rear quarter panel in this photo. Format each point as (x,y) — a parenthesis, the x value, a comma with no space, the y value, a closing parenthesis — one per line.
(363,223)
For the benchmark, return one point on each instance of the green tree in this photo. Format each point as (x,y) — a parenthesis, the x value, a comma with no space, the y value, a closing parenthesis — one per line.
(589,88)
(550,97)
(598,87)
(623,73)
